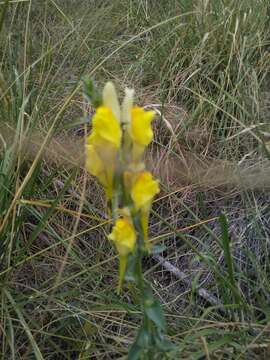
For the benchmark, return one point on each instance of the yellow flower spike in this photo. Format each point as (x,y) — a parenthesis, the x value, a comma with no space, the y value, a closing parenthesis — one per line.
(106,128)
(124,237)
(141,130)
(142,193)
(110,99)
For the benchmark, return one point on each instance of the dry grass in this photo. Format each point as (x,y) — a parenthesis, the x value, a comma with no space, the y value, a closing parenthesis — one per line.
(204,68)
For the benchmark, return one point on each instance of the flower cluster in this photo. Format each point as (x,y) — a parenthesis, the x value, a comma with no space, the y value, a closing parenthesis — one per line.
(114,154)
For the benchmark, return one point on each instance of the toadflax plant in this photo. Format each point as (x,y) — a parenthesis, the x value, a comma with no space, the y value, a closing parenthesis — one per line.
(114,154)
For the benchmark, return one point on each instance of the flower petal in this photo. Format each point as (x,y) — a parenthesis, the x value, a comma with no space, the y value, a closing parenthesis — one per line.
(143,190)
(106,128)
(127,106)
(141,130)
(110,99)
(93,162)
(124,237)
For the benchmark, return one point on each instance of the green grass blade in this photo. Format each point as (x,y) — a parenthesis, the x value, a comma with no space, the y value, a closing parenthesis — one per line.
(24,325)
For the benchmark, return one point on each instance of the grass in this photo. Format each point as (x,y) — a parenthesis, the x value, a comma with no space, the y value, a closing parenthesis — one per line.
(204,66)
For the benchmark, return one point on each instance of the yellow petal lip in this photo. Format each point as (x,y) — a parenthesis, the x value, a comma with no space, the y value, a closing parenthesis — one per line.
(106,128)
(124,236)
(141,130)
(143,190)
(93,162)
(101,166)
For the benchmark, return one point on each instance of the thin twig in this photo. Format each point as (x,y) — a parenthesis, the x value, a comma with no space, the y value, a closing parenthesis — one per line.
(205,294)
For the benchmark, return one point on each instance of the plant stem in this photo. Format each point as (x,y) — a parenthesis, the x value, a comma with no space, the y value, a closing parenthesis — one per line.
(141,283)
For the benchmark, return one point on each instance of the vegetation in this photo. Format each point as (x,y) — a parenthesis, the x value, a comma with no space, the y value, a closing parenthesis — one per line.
(203,67)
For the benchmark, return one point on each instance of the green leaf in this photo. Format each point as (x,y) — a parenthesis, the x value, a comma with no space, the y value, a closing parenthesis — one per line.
(143,339)
(157,249)
(131,268)
(91,92)
(135,352)
(154,312)
(226,246)
(228,257)
(140,345)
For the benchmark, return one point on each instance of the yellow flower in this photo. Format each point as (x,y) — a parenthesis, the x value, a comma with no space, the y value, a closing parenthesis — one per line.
(102,147)
(141,129)
(106,128)
(93,162)
(143,192)
(101,163)
(124,237)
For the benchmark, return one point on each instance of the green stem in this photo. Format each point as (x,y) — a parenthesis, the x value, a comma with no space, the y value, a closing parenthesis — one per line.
(141,282)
